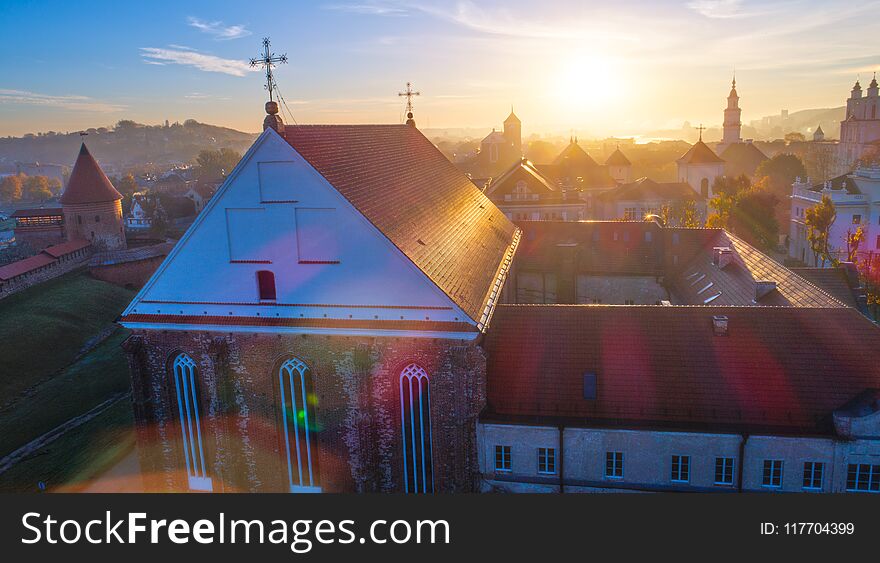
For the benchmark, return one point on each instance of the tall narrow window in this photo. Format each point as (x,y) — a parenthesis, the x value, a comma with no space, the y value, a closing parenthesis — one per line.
(502,458)
(266,285)
(614,465)
(547,461)
(813,473)
(298,401)
(681,468)
(724,470)
(772,473)
(415,423)
(184,372)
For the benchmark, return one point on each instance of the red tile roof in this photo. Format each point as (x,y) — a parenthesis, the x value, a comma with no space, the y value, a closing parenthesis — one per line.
(736,282)
(617,158)
(431,211)
(88,183)
(647,189)
(832,280)
(440,326)
(20,267)
(700,153)
(782,368)
(38,212)
(59,250)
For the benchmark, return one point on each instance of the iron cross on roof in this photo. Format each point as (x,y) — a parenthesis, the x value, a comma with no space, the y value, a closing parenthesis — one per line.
(409,96)
(701,129)
(268,60)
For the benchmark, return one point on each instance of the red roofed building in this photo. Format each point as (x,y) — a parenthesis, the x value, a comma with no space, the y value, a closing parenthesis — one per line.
(333,321)
(92,206)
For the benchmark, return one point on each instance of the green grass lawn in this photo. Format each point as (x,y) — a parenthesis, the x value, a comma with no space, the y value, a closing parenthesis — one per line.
(78,457)
(77,389)
(43,384)
(44,327)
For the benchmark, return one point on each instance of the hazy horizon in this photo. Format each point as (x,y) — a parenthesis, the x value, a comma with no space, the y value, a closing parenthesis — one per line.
(596,69)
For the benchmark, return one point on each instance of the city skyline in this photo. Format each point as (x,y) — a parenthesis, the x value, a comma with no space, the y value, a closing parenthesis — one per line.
(591,68)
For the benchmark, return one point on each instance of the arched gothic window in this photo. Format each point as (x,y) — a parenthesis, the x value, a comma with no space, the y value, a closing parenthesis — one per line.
(186,390)
(415,422)
(300,430)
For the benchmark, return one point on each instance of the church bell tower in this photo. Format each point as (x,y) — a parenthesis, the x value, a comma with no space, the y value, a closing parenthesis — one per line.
(732,118)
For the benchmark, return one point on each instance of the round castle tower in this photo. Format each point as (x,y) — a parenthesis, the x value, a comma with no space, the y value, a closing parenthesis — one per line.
(92,207)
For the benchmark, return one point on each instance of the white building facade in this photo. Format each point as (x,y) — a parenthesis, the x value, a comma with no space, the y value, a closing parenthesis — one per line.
(862,123)
(856,198)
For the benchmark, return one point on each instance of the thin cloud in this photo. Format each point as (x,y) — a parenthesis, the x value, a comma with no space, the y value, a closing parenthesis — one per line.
(70,102)
(201,61)
(368,8)
(218,29)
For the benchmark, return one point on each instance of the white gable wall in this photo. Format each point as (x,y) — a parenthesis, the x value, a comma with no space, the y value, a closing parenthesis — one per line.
(276,213)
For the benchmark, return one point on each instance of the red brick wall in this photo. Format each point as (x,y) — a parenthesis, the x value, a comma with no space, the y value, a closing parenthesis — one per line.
(99,223)
(358,412)
(128,274)
(50,271)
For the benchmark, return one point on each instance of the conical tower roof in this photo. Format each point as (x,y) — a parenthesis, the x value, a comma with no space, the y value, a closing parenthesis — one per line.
(88,183)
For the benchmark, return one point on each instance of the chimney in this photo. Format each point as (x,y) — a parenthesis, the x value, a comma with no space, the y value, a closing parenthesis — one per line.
(763,287)
(719,325)
(722,256)
(273,120)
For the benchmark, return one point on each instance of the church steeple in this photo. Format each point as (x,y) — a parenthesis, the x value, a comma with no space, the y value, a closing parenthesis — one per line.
(513,130)
(732,118)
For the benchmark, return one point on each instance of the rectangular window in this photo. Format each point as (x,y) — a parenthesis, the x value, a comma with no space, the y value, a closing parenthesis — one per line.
(681,468)
(590,386)
(863,478)
(547,461)
(317,236)
(629,302)
(878,242)
(724,470)
(614,465)
(813,471)
(675,238)
(772,473)
(502,458)
(857,219)
(648,236)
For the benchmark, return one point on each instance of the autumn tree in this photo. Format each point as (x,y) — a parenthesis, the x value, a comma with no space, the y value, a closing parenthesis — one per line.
(36,188)
(853,240)
(11,188)
(214,165)
(819,219)
(795,137)
(681,214)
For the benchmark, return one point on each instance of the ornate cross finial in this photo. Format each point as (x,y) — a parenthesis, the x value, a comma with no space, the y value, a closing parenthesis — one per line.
(268,60)
(408,94)
(701,129)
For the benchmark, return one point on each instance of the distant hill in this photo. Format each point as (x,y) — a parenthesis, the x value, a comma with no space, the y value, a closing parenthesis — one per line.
(802,121)
(125,145)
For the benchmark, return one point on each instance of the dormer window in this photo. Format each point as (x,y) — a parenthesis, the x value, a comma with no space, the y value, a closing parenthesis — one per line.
(266,285)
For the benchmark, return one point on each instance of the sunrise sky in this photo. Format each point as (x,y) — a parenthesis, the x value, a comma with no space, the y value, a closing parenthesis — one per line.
(600,68)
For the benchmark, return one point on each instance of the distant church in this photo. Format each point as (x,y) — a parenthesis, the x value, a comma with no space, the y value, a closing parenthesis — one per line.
(861,127)
(499,150)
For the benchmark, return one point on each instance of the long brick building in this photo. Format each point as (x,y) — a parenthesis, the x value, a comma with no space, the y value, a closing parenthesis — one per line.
(343,317)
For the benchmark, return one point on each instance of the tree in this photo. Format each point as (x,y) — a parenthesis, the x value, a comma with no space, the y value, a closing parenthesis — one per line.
(726,190)
(853,240)
(752,217)
(159,223)
(55,186)
(126,185)
(821,161)
(214,165)
(681,214)
(819,219)
(782,170)
(795,137)
(11,188)
(36,188)
(541,152)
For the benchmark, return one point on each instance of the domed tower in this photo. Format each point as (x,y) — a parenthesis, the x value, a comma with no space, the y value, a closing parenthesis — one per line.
(732,118)
(513,131)
(92,207)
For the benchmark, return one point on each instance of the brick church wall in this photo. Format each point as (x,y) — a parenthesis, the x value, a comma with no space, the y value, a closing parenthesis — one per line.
(358,411)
